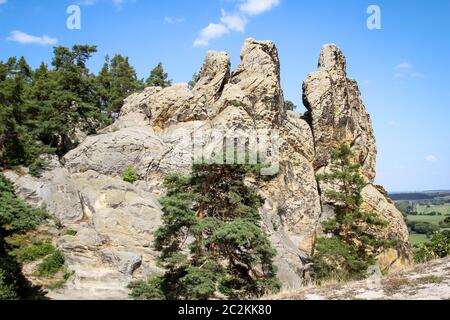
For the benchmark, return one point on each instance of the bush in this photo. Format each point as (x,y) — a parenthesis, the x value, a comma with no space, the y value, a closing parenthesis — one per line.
(51,265)
(129,175)
(33,252)
(7,290)
(69,232)
(425,228)
(36,167)
(147,290)
(437,247)
(15,214)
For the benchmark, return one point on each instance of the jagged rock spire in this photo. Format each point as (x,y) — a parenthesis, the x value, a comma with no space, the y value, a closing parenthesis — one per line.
(337,114)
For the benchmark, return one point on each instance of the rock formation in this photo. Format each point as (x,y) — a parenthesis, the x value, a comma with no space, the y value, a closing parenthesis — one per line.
(115,221)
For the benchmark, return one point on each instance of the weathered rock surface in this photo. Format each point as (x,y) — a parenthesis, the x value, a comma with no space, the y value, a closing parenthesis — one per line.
(337,113)
(115,221)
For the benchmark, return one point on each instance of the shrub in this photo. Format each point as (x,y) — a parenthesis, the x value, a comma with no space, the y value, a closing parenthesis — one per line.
(147,290)
(129,175)
(33,252)
(425,228)
(36,167)
(69,232)
(437,247)
(51,265)
(7,289)
(15,214)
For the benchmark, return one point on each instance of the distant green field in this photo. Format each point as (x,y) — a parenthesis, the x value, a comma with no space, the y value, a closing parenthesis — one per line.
(431,219)
(444,209)
(417,238)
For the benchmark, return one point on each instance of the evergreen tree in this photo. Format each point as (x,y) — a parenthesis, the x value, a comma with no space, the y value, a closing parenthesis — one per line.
(158,78)
(15,218)
(194,80)
(290,106)
(352,243)
(104,86)
(17,145)
(211,240)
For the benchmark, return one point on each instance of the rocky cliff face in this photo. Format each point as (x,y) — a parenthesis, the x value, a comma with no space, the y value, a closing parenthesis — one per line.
(115,221)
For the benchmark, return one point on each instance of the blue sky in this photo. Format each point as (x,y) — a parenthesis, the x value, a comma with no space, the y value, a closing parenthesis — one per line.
(403,69)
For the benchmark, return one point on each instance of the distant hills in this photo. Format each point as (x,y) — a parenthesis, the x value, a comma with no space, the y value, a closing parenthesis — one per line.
(420,195)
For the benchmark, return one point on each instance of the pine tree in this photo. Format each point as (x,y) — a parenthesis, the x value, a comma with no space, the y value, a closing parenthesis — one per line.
(193,81)
(158,77)
(211,240)
(124,81)
(15,218)
(352,243)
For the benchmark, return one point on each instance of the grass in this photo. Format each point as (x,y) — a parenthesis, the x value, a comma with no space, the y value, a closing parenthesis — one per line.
(416,239)
(33,252)
(431,219)
(444,209)
(51,265)
(430,280)
(393,285)
(69,232)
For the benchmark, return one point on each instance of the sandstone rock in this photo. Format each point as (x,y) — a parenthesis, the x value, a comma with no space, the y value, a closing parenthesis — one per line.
(400,257)
(213,76)
(111,153)
(258,76)
(337,114)
(159,132)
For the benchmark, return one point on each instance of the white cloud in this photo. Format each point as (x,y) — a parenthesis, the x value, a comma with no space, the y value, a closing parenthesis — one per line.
(418,75)
(405,70)
(404,65)
(212,31)
(235,22)
(171,20)
(255,7)
(431,158)
(3,2)
(24,38)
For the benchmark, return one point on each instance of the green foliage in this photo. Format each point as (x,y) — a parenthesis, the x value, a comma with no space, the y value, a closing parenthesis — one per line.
(353,246)
(33,251)
(16,218)
(69,232)
(227,252)
(129,174)
(51,264)
(158,77)
(423,227)
(36,167)
(15,215)
(290,106)
(437,247)
(41,109)
(151,289)
(116,81)
(7,287)
(193,81)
